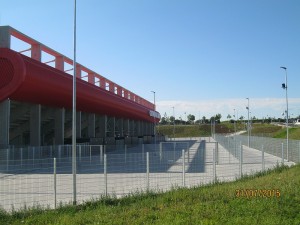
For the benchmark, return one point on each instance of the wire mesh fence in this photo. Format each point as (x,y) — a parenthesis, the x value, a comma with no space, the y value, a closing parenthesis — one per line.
(43,176)
(274,146)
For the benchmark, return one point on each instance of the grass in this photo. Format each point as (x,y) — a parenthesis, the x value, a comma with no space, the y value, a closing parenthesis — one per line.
(258,129)
(212,204)
(294,133)
(197,130)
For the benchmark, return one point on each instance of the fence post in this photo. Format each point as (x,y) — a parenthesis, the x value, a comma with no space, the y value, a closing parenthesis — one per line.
(143,151)
(79,153)
(214,166)
(282,154)
(21,157)
(299,153)
(241,160)
(160,151)
(228,145)
(262,157)
(33,148)
(217,152)
(188,150)
(183,168)
(90,154)
(101,154)
(105,175)
(125,153)
(231,151)
(59,152)
(54,182)
(174,146)
(7,159)
(147,172)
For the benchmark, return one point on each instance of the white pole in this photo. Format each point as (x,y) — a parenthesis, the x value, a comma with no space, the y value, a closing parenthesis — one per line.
(248,126)
(174,123)
(263,158)
(101,154)
(125,153)
(174,146)
(54,177)
(217,152)
(287,113)
(147,172)
(105,175)
(183,167)
(7,159)
(282,154)
(287,118)
(241,160)
(74,113)
(299,154)
(154,123)
(90,154)
(143,152)
(214,166)
(21,157)
(160,151)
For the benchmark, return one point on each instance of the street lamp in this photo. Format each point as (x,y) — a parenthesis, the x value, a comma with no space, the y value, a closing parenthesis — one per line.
(248,126)
(174,123)
(74,113)
(154,122)
(285,86)
(234,122)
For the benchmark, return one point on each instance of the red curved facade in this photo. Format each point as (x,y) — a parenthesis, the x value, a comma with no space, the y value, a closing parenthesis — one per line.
(27,80)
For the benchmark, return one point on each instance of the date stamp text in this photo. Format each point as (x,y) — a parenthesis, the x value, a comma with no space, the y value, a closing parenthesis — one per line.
(257,193)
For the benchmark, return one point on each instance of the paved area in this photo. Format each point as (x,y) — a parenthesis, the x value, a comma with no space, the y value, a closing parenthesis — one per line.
(128,174)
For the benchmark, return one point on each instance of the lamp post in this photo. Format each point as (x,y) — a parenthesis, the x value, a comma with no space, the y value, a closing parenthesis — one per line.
(248,126)
(154,122)
(74,113)
(174,123)
(285,86)
(234,122)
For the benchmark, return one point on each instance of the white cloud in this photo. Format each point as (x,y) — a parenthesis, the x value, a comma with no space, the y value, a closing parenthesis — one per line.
(259,107)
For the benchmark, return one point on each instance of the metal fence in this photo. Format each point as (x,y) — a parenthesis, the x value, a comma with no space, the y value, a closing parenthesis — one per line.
(274,146)
(43,176)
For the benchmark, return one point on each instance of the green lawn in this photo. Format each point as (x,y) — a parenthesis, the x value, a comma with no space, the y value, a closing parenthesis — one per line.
(214,204)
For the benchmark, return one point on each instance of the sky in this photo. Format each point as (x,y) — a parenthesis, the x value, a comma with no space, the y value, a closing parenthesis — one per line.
(201,57)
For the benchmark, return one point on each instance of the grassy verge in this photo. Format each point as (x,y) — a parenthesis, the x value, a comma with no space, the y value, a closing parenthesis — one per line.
(197,130)
(221,203)
(265,130)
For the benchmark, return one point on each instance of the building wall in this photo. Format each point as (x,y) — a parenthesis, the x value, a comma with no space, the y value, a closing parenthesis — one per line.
(26,124)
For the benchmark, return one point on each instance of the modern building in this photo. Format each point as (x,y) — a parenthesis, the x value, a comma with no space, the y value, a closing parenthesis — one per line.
(36,100)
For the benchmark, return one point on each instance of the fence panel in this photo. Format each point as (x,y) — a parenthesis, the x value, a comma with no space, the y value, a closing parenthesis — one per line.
(31,176)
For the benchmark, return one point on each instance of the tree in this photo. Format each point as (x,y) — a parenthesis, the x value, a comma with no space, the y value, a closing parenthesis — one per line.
(191,118)
(218,117)
(163,121)
(229,117)
(172,119)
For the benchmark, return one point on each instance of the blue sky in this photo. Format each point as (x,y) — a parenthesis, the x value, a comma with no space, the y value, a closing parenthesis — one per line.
(202,57)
